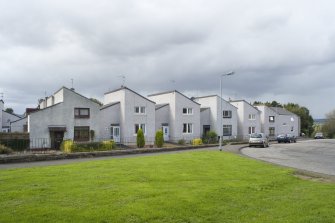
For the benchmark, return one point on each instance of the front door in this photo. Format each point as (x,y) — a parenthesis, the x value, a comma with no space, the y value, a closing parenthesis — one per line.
(56,139)
(166,133)
(115,134)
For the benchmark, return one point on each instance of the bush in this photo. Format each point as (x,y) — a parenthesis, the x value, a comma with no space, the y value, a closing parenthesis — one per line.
(197,142)
(16,144)
(5,150)
(159,139)
(108,145)
(210,137)
(181,142)
(140,141)
(67,146)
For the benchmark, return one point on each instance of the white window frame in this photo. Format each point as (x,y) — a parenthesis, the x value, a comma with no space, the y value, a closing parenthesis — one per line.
(252,117)
(273,120)
(140,110)
(251,130)
(189,128)
(140,126)
(188,111)
(226,114)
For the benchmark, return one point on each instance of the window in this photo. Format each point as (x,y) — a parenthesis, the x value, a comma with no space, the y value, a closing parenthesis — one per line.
(226,114)
(187,111)
(252,129)
(252,117)
(187,128)
(292,128)
(81,133)
(271,119)
(81,112)
(272,131)
(227,130)
(140,126)
(139,109)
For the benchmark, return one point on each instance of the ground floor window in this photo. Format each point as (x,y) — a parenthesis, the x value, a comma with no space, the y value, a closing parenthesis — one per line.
(272,131)
(81,133)
(187,128)
(140,126)
(227,130)
(252,129)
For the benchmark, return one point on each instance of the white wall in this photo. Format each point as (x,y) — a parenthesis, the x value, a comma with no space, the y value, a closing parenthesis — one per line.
(107,117)
(18,126)
(162,116)
(1,111)
(266,112)
(62,114)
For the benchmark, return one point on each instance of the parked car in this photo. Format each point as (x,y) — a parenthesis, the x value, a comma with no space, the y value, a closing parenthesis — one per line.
(286,138)
(319,135)
(258,139)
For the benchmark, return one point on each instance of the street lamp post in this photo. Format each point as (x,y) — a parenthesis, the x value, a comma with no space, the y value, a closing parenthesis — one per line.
(221,114)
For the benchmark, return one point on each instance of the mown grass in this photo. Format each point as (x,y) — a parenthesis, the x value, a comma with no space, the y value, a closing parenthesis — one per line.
(201,186)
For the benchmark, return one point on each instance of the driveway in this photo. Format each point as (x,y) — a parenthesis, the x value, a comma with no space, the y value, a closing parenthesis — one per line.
(311,155)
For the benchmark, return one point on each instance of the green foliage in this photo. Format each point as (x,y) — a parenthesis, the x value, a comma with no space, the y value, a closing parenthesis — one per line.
(269,104)
(140,141)
(181,142)
(197,142)
(9,110)
(16,144)
(306,119)
(201,186)
(68,146)
(329,127)
(210,137)
(159,139)
(92,134)
(5,150)
(108,145)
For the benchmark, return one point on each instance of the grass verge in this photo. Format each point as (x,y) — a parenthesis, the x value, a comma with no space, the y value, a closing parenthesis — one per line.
(201,186)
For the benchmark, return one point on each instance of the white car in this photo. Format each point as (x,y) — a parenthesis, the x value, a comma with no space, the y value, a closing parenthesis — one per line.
(258,139)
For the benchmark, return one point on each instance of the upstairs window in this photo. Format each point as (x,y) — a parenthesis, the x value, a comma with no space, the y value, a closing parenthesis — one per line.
(81,112)
(271,119)
(139,109)
(226,114)
(252,117)
(187,111)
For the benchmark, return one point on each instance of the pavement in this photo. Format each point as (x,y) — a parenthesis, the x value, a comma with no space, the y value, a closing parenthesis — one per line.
(317,156)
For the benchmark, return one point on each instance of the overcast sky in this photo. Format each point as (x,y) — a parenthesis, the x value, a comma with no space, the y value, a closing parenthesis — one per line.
(280,50)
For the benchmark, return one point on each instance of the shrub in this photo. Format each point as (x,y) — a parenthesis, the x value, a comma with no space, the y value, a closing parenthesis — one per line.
(5,150)
(67,146)
(197,142)
(159,139)
(140,141)
(210,137)
(108,145)
(181,141)
(16,144)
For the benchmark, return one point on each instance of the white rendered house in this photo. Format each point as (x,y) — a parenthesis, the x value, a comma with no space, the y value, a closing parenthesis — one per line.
(177,115)
(124,113)
(248,118)
(6,118)
(64,115)
(212,112)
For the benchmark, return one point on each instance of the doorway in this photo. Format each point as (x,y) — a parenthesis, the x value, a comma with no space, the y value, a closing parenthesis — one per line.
(56,139)
(166,133)
(115,134)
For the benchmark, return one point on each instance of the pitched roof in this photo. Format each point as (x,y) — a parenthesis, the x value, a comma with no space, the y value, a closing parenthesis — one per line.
(214,95)
(203,109)
(242,100)
(125,88)
(159,106)
(281,111)
(109,105)
(173,91)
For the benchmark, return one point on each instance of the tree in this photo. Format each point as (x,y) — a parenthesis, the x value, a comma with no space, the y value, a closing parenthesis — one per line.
(159,139)
(306,119)
(140,141)
(9,110)
(329,126)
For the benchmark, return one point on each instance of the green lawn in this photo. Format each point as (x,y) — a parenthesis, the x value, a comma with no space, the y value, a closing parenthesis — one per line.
(203,186)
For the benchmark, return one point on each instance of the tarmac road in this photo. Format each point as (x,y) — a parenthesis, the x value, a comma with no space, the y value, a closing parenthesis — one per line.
(311,155)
